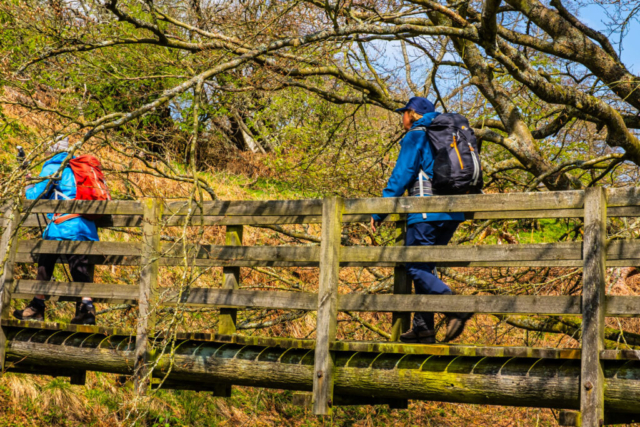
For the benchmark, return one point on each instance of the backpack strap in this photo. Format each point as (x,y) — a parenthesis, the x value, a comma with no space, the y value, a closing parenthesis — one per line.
(420,128)
(422,175)
(60,218)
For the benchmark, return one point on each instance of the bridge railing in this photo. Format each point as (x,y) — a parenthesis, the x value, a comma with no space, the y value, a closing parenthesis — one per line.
(594,253)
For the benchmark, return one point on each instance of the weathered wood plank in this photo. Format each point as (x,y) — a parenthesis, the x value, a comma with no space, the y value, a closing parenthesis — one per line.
(94,207)
(230,281)
(332,209)
(523,304)
(237,263)
(622,211)
(243,298)
(400,322)
(148,291)
(620,253)
(526,214)
(98,291)
(626,196)
(483,253)
(28,258)
(244,253)
(593,305)
(616,306)
(8,245)
(39,220)
(248,208)
(467,203)
(622,306)
(77,247)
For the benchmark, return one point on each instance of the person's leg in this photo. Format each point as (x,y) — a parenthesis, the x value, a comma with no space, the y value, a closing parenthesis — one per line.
(425,283)
(35,309)
(423,274)
(82,271)
(455,321)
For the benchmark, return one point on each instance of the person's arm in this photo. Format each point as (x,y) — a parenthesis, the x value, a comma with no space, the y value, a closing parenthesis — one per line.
(406,170)
(34,191)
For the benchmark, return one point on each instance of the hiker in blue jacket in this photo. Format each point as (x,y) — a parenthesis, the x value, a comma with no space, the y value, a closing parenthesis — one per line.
(413,172)
(61,227)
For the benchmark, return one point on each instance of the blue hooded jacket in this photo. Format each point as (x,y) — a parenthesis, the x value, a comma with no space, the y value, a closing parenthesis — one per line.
(65,189)
(415,154)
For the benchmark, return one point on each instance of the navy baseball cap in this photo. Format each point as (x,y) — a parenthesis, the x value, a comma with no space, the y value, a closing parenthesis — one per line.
(420,105)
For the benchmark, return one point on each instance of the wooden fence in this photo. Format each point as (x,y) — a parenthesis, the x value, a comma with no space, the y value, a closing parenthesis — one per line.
(593,254)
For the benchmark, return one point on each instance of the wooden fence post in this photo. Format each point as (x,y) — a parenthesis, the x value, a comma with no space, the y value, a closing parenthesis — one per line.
(231,280)
(401,285)
(327,304)
(151,228)
(12,219)
(593,308)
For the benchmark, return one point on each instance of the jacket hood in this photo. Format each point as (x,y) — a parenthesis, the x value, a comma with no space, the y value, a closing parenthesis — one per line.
(425,120)
(58,158)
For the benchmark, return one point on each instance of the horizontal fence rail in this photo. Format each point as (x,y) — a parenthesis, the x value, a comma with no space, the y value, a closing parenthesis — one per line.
(619,253)
(615,306)
(594,205)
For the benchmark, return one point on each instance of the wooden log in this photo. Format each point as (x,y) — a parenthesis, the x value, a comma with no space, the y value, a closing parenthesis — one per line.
(593,305)
(467,203)
(461,379)
(8,245)
(327,305)
(148,291)
(400,321)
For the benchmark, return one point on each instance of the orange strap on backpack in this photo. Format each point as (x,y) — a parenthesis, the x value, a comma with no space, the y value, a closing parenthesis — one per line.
(60,218)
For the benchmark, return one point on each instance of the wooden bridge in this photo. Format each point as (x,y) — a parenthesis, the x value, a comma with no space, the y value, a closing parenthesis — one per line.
(604,385)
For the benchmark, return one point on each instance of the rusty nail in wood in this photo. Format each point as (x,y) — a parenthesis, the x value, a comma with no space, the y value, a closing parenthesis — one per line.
(320,374)
(588,385)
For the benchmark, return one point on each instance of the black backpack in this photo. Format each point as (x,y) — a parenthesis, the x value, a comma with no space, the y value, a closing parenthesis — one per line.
(456,168)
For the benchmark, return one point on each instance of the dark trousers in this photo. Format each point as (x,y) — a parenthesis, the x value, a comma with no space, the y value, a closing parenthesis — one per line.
(423,275)
(81,270)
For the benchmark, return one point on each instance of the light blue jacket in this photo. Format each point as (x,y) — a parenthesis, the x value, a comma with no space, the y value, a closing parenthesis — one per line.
(73,229)
(415,154)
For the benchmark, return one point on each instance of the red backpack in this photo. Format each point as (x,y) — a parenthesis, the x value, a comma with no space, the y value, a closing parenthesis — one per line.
(90,184)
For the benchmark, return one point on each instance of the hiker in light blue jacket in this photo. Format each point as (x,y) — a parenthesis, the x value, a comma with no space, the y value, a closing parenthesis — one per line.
(413,172)
(61,227)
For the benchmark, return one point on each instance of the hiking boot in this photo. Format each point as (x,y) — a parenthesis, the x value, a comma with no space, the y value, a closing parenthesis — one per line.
(33,311)
(455,325)
(424,336)
(85,314)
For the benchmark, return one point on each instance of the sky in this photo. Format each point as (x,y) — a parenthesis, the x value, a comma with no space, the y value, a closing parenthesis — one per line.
(595,17)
